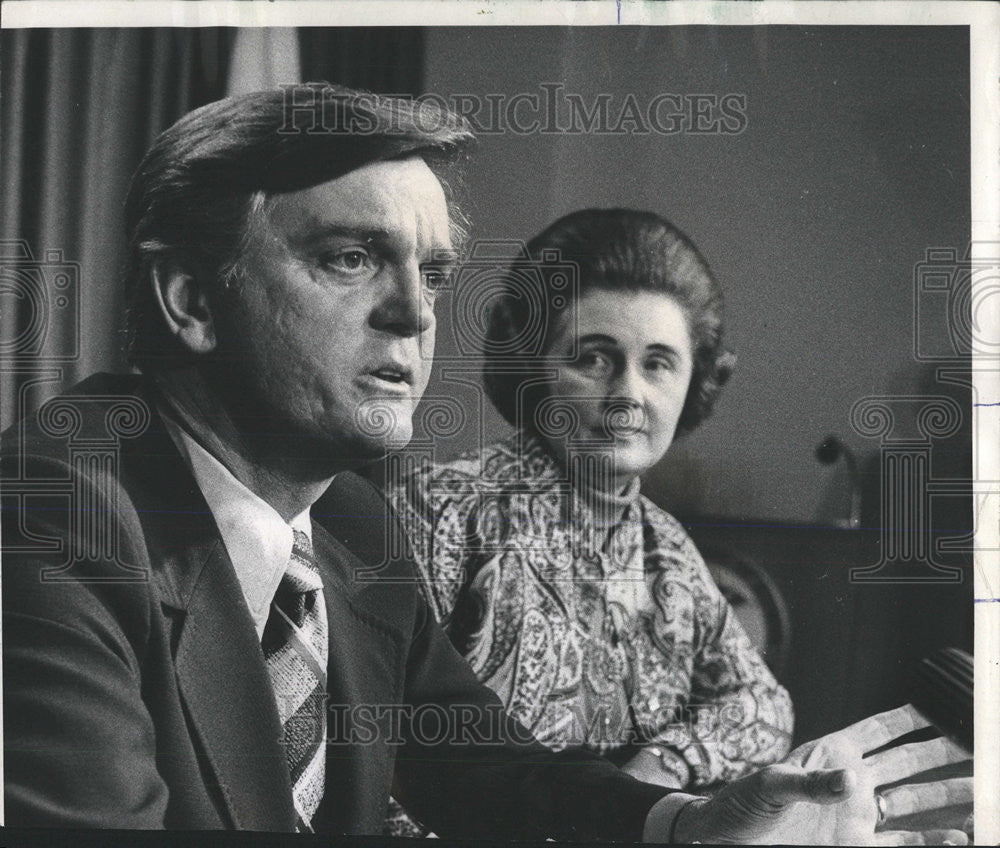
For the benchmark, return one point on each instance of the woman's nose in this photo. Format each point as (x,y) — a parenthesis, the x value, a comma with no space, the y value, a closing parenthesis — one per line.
(627,387)
(624,409)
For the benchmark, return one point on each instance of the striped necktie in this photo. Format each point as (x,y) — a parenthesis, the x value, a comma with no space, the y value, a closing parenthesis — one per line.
(296,652)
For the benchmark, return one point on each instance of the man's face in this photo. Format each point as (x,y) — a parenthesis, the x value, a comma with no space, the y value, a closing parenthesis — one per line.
(326,344)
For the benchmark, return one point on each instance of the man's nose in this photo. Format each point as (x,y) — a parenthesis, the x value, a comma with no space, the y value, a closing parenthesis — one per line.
(404,310)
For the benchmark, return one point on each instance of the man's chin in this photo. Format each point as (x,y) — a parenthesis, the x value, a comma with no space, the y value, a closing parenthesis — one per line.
(397,441)
(385,423)
(365,448)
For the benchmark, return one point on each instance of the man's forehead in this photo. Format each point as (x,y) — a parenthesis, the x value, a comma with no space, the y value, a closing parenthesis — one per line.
(383,197)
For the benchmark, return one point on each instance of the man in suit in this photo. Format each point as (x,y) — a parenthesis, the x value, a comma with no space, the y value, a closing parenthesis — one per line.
(183,646)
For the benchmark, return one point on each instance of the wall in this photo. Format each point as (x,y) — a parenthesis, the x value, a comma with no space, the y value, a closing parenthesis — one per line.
(853,161)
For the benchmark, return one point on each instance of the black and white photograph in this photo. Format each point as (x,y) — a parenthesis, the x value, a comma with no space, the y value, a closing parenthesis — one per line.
(564,421)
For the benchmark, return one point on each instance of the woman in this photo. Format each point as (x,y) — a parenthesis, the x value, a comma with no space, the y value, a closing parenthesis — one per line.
(581,603)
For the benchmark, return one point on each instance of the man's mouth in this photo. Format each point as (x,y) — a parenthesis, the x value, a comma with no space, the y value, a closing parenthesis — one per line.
(395,374)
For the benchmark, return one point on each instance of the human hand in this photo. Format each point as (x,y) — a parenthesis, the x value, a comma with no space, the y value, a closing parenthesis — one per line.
(824,792)
(653,764)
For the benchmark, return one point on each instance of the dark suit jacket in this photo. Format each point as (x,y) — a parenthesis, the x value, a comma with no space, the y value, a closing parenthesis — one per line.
(135,691)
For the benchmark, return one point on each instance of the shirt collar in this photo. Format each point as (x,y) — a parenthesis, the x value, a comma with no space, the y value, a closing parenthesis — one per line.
(257,539)
(608,507)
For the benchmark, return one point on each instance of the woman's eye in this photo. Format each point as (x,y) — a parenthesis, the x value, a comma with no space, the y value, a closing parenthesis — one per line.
(660,365)
(593,360)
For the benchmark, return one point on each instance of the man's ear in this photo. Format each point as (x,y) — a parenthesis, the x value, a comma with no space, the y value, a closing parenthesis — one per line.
(183,302)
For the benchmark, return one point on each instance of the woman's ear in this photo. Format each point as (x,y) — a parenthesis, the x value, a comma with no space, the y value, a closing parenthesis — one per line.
(724,367)
(183,302)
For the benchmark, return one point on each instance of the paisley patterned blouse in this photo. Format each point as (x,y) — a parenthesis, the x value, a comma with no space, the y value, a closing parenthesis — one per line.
(593,618)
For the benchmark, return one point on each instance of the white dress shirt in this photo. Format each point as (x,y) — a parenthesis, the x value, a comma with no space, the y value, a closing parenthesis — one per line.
(257,539)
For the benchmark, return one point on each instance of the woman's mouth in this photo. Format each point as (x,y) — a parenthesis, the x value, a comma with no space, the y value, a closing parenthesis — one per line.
(622,421)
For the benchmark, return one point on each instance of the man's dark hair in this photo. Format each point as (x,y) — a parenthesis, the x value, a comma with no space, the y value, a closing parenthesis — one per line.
(203,185)
(613,250)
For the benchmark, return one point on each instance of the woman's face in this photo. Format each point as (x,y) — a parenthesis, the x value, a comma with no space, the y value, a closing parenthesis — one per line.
(624,368)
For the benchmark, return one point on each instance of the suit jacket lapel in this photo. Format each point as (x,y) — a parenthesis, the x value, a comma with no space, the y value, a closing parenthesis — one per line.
(219,664)
(224,682)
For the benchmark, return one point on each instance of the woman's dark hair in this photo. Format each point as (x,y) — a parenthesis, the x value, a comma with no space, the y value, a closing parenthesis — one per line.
(203,186)
(613,250)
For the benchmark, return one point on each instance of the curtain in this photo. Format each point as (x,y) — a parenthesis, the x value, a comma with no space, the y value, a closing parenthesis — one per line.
(386,60)
(79,109)
(264,58)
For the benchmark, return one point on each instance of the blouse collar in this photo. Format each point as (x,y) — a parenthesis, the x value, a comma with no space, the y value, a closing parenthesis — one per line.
(606,507)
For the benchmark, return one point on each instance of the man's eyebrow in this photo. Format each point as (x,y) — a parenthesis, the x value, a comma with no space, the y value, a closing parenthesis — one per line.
(317,231)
